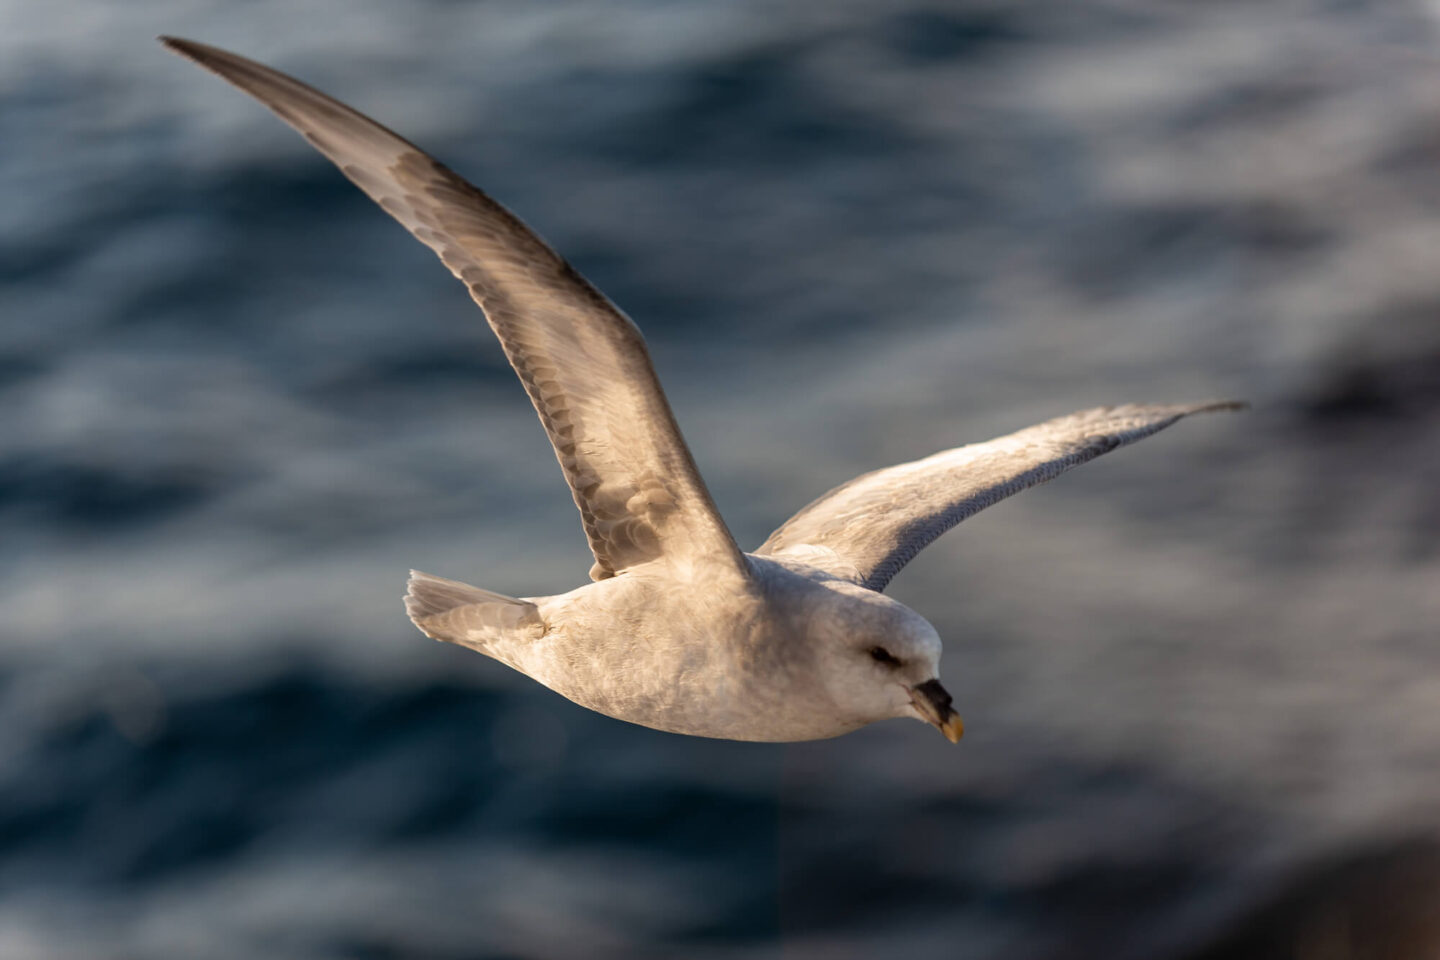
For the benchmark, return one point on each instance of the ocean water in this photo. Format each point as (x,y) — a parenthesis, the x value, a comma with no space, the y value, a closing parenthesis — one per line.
(1201,676)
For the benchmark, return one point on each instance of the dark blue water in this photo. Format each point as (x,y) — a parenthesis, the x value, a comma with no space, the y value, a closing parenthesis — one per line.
(1200,676)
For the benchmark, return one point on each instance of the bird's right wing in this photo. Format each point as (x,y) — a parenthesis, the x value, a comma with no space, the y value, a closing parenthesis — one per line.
(867,529)
(582,361)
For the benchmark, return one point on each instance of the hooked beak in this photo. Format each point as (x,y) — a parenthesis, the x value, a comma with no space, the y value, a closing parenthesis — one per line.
(933,703)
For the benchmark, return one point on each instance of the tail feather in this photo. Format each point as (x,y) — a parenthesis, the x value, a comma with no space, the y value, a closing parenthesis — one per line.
(429,595)
(459,613)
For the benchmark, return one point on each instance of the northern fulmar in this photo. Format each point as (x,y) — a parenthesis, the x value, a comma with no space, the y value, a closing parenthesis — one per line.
(679,629)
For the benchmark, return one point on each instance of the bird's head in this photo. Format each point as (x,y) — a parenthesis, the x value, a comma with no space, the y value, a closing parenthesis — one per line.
(882,659)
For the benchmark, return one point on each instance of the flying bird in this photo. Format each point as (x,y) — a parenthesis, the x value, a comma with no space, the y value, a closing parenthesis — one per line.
(679,629)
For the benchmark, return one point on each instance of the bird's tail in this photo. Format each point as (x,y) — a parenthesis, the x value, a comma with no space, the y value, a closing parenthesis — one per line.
(459,613)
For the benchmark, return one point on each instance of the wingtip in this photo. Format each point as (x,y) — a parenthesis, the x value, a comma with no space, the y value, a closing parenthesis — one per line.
(193,50)
(188,49)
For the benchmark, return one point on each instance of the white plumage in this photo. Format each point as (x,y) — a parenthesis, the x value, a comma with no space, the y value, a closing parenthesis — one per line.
(681,630)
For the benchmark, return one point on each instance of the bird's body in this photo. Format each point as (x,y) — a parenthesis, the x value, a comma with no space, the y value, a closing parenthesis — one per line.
(680,630)
(708,657)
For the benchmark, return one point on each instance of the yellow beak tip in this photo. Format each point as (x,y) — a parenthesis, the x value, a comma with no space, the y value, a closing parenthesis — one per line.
(954,729)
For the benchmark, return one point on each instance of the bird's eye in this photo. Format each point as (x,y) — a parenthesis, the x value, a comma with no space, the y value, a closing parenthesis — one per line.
(881,655)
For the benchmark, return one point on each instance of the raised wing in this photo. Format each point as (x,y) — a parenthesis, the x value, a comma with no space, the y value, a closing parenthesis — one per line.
(869,528)
(582,361)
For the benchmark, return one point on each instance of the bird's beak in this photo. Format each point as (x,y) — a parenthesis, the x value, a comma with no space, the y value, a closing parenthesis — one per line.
(933,703)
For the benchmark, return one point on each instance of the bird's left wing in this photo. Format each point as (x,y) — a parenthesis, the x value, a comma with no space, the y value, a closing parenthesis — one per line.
(582,361)
(867,529)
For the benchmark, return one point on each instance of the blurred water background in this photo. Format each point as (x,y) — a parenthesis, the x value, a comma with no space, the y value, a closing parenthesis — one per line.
(1201,676)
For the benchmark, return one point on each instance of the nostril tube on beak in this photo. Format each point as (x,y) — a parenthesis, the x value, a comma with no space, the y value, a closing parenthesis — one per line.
(933,703)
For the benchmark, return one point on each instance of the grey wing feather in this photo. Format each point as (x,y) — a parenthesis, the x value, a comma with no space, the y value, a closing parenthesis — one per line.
(869,528)
(582,361)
